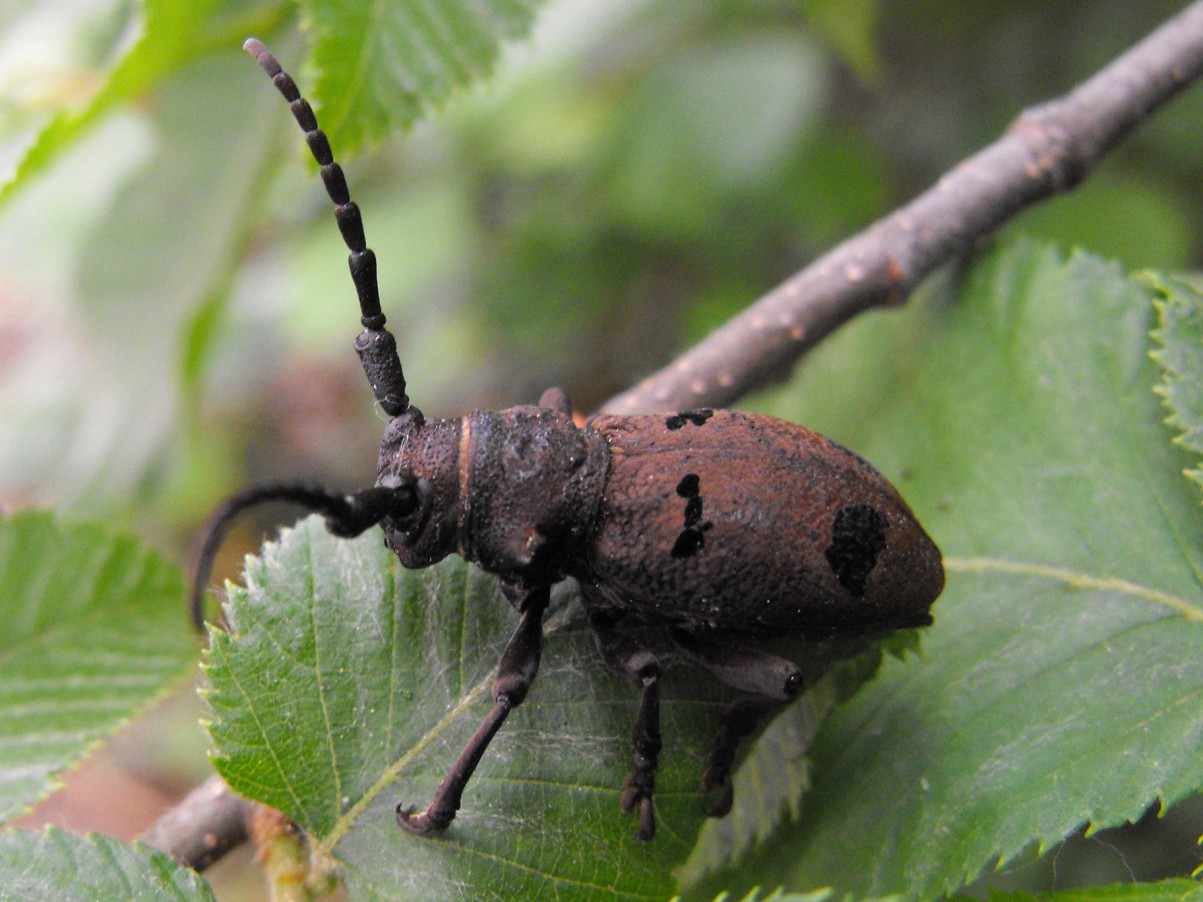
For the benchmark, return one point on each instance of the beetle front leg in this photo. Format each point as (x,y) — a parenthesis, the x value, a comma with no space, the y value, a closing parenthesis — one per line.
(519,664)
(771,682)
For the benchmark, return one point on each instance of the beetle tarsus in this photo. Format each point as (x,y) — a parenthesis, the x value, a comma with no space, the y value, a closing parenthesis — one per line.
(647,810)
(422,824)
(724,798)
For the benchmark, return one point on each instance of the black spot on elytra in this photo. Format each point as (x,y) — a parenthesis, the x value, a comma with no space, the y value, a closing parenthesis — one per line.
(693,536)
(858,535)
(690,486)
(697,417)
(688,543)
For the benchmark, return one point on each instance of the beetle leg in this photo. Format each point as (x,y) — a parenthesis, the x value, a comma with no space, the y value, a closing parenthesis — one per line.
(739,719)
(519,664)
(749,669)
(771,681)
(639,667)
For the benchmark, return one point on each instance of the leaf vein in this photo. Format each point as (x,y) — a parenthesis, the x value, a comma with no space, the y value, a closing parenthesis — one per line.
(1077,580)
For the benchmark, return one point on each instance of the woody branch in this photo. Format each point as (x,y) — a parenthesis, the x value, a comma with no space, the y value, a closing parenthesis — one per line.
(1047,150)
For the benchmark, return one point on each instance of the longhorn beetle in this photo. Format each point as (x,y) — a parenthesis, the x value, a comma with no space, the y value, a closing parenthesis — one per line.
(712,524)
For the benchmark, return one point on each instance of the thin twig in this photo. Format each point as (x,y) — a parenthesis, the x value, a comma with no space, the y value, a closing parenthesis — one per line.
(203,826)
(1047,150)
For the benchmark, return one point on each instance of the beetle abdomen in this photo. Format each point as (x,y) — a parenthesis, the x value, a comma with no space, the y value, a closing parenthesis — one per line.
(746,522)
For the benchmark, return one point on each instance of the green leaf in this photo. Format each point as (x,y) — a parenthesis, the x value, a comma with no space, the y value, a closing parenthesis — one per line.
(382,65)
(1180,334)
(1059,685)
(348,685)
(94,630)
(1158,221)
(64,867)
(1181,890)
(851,29)
(168,40)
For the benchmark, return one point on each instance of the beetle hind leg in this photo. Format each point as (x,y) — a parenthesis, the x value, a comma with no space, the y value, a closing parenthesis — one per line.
(639,667)
(737,721)
(770,682)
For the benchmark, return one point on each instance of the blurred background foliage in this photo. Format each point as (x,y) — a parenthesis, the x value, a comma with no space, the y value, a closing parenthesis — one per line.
(175,313)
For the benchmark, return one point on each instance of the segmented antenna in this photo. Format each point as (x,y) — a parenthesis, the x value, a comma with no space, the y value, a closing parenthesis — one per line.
(376,346)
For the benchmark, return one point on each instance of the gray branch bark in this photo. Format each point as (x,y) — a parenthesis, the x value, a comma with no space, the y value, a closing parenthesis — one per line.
(203,826)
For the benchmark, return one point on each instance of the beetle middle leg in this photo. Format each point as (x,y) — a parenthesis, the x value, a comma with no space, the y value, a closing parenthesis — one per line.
(770,682)
(639,667)
(519,664)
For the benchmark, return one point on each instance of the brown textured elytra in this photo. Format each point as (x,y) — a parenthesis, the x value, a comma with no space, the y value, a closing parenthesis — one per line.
(712,523)
(733,521)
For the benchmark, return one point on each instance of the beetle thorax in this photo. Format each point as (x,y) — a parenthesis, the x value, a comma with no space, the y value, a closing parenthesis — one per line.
(533,484)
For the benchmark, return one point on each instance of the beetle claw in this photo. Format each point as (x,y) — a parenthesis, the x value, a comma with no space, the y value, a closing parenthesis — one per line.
(719,779)
(419,825)
(639,796)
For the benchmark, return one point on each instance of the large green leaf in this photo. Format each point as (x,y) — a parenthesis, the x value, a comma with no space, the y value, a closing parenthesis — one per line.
(93,630)
(381,65)
(348,685)
(1060,684)
(65,867)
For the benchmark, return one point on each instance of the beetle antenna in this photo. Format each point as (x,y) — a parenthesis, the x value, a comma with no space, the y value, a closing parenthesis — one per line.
(406,501)
(376,346)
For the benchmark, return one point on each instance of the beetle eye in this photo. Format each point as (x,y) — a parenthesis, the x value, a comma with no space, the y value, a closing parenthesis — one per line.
(407,526)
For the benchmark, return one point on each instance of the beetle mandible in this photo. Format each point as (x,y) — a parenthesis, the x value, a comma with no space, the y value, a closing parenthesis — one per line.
(714,525)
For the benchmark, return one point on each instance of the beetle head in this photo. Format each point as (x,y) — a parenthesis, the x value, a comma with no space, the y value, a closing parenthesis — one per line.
(425,454)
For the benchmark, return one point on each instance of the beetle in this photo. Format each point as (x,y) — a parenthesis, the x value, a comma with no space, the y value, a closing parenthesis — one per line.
(715,526)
